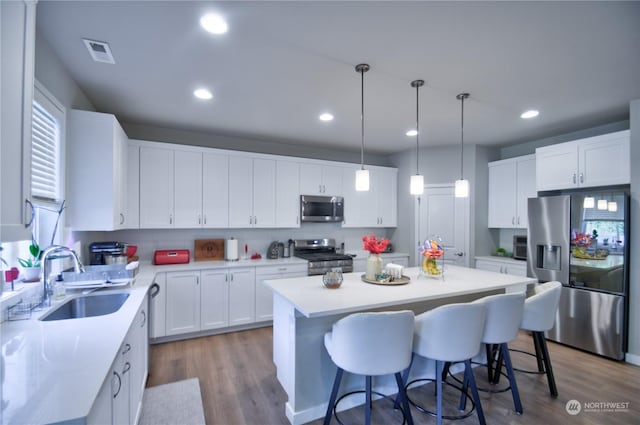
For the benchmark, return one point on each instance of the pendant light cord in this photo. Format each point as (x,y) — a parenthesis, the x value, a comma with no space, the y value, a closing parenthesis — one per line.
(462,97)
(417,130)
(362,116)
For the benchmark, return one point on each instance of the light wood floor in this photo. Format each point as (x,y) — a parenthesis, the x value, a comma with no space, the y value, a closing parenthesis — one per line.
(239,386)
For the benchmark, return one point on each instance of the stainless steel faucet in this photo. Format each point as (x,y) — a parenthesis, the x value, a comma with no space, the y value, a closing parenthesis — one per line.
(77,265)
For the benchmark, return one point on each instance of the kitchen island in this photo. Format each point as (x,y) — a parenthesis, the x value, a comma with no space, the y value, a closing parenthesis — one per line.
(304,310)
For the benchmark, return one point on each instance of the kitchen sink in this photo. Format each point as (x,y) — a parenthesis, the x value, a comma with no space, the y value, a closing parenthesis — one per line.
(87,306)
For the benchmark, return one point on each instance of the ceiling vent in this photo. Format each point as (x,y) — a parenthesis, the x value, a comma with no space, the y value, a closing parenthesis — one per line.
(99,51)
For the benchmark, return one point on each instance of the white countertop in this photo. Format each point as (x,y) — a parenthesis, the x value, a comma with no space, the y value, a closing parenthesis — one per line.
(610,262)
(312,299)
(53,371)
(506,260)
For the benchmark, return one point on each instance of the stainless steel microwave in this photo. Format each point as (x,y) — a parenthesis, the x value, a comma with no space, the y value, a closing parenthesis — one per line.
(520,247)
(321,208)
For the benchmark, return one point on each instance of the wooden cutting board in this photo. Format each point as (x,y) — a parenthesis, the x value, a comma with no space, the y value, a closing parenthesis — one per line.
(209,250)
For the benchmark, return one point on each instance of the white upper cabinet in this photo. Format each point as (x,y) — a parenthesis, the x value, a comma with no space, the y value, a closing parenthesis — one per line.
(287,194)
(187,199)
(156,188)
(97,171)
(132,218)
(320,179)
(376,207)
(511,183)
(594,161)
(252,190)
(17,55)
(215,190)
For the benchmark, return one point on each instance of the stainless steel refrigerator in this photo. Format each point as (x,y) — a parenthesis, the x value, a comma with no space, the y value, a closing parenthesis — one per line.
(581,240)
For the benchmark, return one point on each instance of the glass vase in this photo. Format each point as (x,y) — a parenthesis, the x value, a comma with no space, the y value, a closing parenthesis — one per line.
(431,268)
(374,266)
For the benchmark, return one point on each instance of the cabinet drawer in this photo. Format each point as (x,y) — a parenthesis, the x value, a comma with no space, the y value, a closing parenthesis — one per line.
(283,268)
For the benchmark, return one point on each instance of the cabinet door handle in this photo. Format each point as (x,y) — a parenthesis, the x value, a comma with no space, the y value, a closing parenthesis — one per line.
(170,218)
(127,348)
(126,368)
(574,178)
(199,219)
(581,178)
(121,218)
(513,220)
(518,221)
(197,280)
(144,318)
(205,219)
(226,277)
(231,277)
(250,219)
(115,393)
(255,220)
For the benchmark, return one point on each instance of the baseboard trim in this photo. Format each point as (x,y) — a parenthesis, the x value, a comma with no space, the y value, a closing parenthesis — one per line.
(632,358)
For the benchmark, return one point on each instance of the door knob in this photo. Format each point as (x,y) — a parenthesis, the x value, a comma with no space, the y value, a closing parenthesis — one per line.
(459,254)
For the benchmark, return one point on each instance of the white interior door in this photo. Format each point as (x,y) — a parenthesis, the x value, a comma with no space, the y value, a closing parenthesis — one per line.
(440,213)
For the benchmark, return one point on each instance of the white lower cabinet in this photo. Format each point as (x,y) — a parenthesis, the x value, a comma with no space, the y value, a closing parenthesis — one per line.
(158,306)
(242,296)
(120,398)
(264,295)
(502,265)
(183,302)
(208,299)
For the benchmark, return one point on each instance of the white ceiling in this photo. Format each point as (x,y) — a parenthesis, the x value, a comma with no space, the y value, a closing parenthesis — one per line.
(281,64)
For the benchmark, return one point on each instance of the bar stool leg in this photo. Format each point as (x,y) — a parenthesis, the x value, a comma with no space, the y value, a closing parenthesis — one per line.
(334,395)
(439,370)
(512,378)
(468,372)
(402,395)
(367,402)
(547,364)
(539,355)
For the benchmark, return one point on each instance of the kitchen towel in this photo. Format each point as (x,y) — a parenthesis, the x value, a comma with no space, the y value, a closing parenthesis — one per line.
(231,249)
(170,404)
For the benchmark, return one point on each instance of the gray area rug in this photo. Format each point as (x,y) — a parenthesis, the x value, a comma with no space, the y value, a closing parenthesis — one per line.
(178,403)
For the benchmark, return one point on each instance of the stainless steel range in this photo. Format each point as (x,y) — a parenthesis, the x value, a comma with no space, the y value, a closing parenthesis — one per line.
(321,255)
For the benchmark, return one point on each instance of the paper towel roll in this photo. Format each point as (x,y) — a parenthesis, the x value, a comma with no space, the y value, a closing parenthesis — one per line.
(231,250)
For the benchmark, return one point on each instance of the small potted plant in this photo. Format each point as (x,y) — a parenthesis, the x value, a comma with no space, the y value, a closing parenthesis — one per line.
(501,252)
(30,267)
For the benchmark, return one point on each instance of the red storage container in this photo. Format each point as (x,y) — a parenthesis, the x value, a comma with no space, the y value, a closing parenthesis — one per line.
(169,256)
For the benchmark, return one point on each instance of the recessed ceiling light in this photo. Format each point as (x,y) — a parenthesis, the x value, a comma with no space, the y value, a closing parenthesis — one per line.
(531,113)
(203,94)
(326,117)
(214,23)
(411,133)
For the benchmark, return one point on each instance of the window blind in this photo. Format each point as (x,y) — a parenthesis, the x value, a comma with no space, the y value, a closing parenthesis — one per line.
(45,154)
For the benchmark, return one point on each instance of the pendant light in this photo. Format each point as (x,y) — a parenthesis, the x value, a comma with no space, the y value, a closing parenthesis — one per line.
(462,186)
(416,184)
(589,202)
(612,206)
(362,175)
(602,204)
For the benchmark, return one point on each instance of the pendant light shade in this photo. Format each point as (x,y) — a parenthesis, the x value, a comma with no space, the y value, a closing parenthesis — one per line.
(602,204)
(362,180)
(589,202)
(612,206)
(462,185)
(461,189)
(416,184)
(362,175)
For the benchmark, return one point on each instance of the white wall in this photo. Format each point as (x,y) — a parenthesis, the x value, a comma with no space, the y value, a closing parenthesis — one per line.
(258,240)
(634,247)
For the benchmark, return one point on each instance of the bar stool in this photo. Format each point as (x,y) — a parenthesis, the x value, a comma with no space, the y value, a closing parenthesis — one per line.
(539,316)
(504,314)
(371,344)
(450,333)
